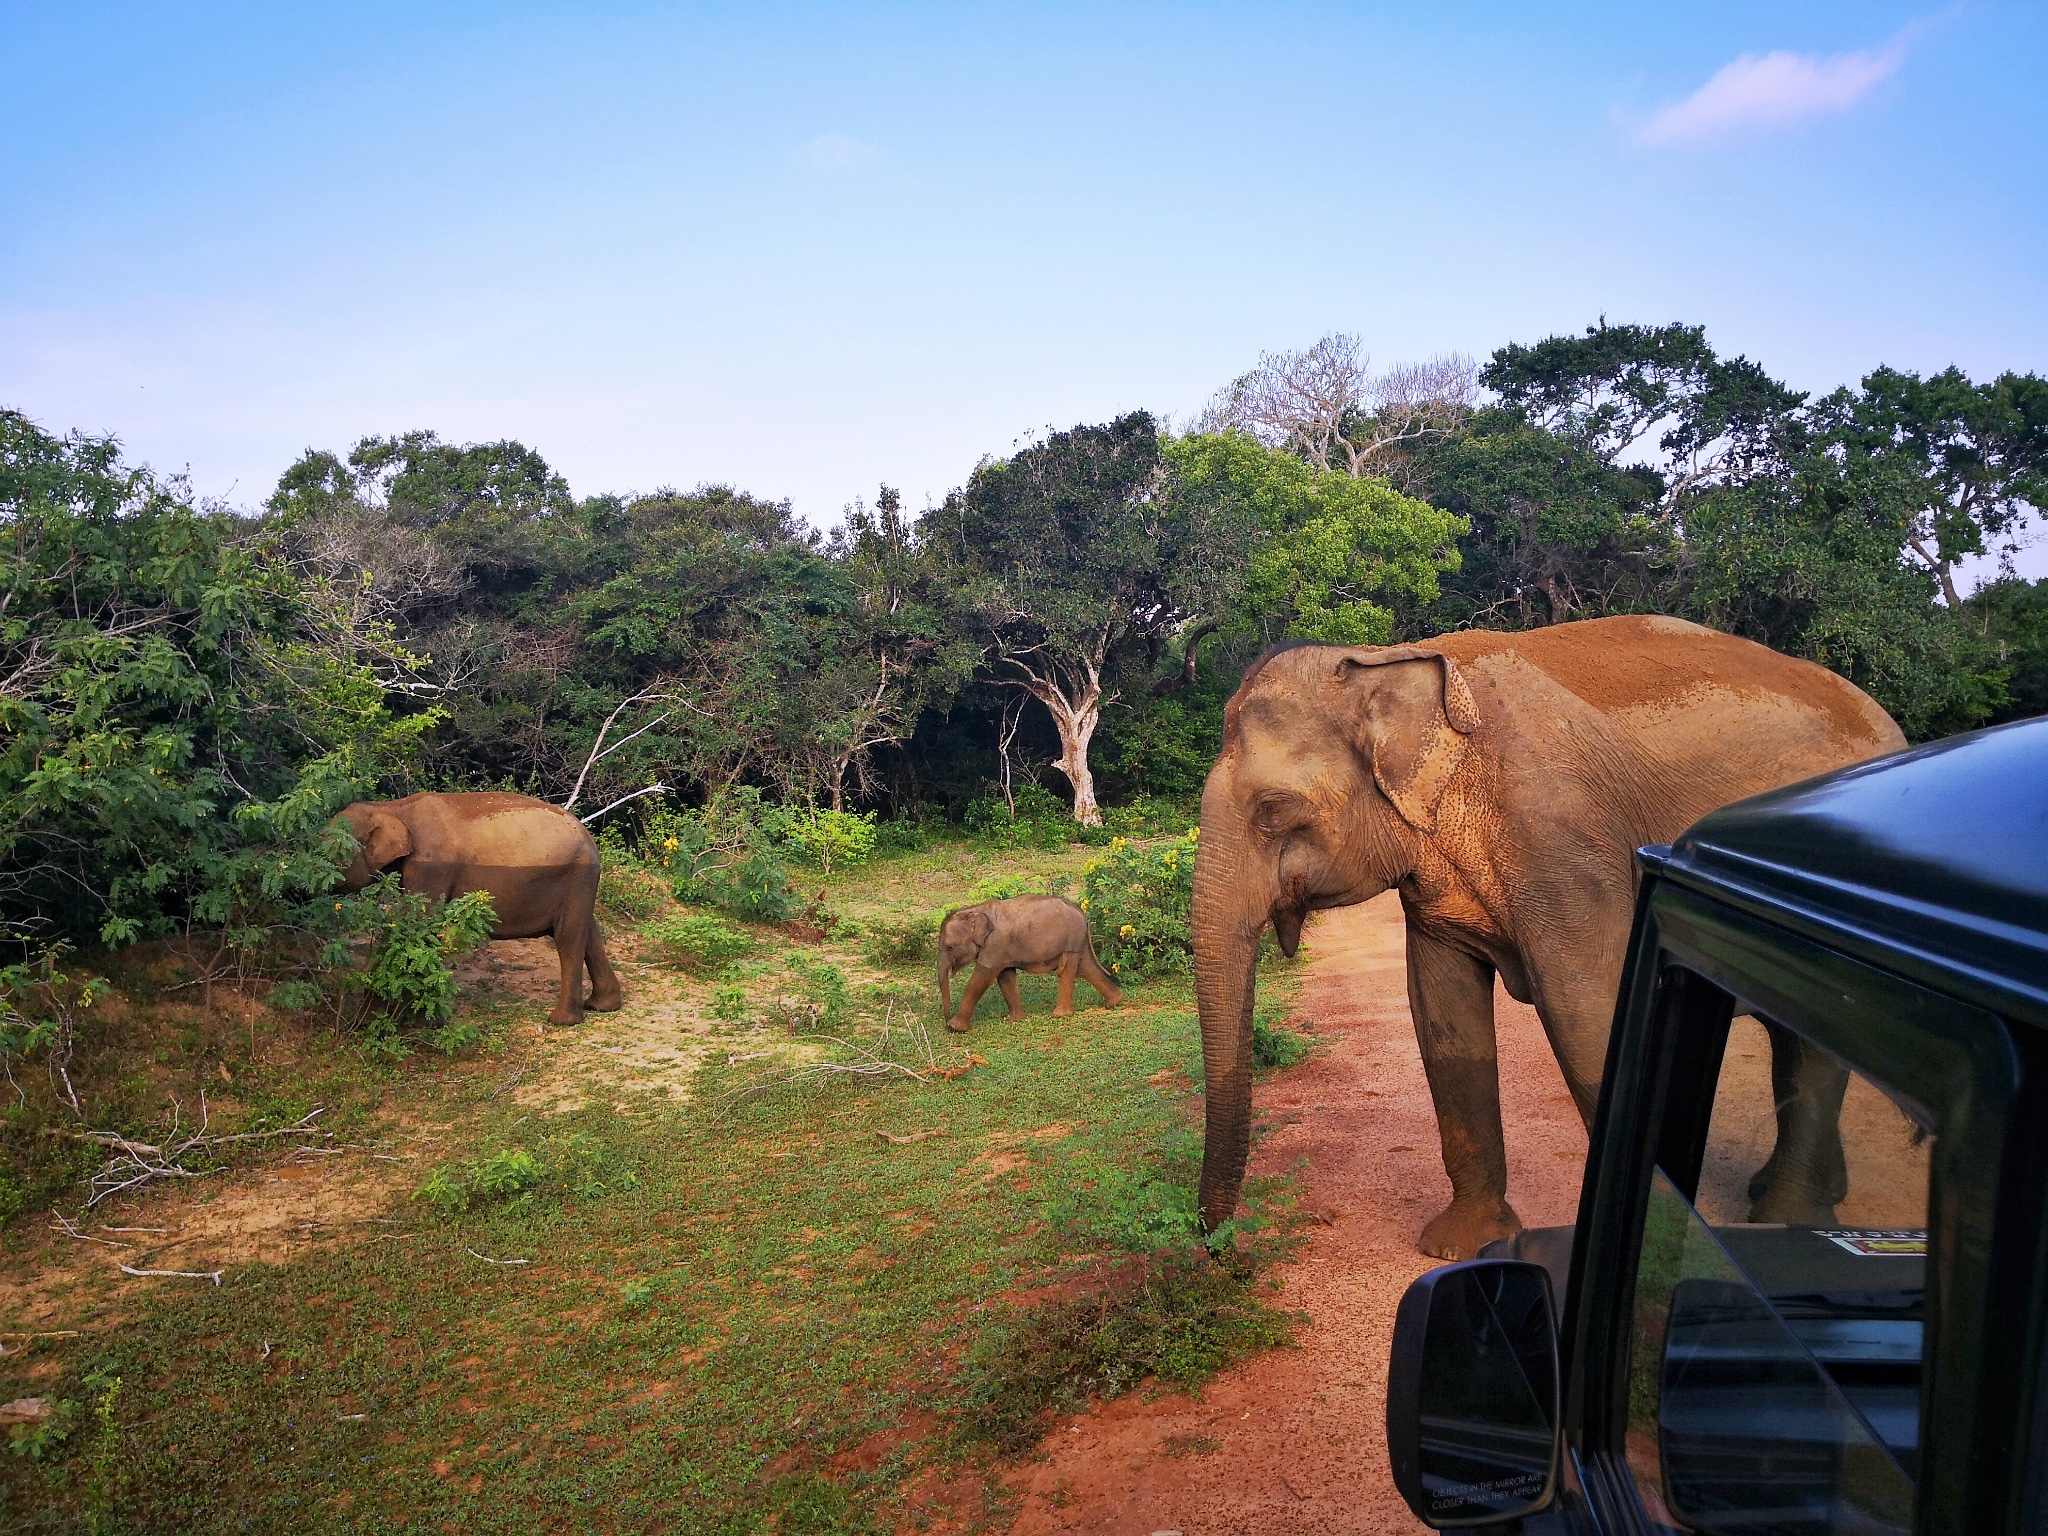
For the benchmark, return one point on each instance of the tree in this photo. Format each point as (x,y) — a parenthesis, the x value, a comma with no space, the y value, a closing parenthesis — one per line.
(1620,390)
(1978,454)
(1329,554)
(903,647)
(1327,405)
(1071,548)
(176,718)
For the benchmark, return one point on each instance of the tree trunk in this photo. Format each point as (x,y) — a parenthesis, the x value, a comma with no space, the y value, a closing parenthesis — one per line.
(1075,720)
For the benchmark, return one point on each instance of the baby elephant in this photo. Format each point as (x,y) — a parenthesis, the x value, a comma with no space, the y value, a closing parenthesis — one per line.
(1038,934)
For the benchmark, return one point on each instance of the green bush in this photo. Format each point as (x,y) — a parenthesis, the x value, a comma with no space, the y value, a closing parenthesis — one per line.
(902,834)
(733,854)
(571,1161)
(1002,887)
(699,943)
(1187,1317)
(910,942)
(829,838)
(1040,820)
(1274,1045)
(1138,897)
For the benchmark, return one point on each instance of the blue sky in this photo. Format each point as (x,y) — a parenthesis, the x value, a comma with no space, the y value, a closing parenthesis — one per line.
(804,251)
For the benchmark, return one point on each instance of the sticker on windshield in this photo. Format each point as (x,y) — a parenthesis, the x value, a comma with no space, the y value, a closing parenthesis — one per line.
(1897,1243)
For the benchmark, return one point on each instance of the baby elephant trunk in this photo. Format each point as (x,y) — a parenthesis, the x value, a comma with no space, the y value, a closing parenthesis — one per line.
(945,983)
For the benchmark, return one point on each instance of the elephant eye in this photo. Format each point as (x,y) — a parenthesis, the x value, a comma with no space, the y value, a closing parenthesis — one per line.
(1276,815)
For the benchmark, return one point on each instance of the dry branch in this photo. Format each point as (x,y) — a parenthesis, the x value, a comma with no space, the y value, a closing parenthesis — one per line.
(178,1274)
(137,1162)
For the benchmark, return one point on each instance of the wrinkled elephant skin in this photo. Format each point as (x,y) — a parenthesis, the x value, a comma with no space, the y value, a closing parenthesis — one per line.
(1039,934)
(1501,783)
(538,863)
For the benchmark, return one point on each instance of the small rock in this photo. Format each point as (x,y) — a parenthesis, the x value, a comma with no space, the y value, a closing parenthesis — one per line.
(25,1410)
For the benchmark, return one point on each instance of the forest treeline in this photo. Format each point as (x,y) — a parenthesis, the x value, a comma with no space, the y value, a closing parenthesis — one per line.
(188,691)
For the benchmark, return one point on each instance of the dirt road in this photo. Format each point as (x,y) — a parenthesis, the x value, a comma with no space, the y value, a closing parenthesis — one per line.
(1295,1441)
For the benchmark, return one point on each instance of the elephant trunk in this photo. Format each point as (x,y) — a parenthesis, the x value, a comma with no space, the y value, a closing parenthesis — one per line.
(1231,908)
(945,983)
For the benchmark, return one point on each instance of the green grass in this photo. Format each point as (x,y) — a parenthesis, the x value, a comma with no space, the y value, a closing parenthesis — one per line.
(720,1299)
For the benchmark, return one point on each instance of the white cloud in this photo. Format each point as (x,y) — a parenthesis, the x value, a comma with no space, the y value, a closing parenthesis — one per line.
(835,152)
(1773,90)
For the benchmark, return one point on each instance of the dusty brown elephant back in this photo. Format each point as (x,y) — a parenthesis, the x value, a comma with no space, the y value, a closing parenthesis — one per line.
(1660,676)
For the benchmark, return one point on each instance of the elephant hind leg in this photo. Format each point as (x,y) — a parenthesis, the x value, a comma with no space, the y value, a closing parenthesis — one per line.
(1092,972)
(1064,1004)
(606,995)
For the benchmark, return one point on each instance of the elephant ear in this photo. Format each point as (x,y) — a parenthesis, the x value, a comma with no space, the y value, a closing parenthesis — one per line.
(387,840)
(1417,712)
(979,925)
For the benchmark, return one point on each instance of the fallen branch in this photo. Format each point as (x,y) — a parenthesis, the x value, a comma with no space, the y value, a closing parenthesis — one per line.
(178,1274)
(137,1162)
(868,1063)
(913,1137)
(475,1255)
(70,1230)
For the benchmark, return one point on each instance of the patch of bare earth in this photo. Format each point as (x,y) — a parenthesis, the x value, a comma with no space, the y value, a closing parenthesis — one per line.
(1294,1441)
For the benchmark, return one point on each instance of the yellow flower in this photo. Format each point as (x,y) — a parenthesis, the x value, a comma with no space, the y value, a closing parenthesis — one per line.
(1084,903)
(1117,968)
(1194,834)
(670,844)
(1126,931)
(337,906)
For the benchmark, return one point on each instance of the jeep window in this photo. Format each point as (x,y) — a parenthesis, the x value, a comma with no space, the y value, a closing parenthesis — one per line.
(1777,1332)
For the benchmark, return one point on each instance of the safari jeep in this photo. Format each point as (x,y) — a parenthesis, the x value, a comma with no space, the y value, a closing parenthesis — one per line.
(1679,1362)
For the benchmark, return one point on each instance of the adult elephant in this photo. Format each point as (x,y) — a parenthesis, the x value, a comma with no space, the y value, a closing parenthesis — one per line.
(1501,783)
(538,863)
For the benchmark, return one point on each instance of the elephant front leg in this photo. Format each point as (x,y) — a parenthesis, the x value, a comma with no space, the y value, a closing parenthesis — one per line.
(1450,995)
(970,999)
(1007,980)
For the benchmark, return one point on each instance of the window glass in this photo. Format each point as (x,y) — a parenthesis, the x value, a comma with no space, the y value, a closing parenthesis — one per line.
(1774,1374)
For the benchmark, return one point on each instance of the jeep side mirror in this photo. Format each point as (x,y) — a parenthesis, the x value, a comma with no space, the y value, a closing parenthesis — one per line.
(1472,1413)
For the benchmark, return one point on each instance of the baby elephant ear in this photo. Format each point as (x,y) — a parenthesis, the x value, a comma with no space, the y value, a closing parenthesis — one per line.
(980,925)
(389,840)
(1415,712)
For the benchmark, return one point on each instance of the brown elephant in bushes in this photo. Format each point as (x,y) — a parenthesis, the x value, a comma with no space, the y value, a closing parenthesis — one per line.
(1039,934)
(538,863)
(1501,783)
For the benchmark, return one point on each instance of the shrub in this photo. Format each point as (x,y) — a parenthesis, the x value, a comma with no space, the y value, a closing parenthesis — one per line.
(572,1161)
(911,942)
(731,854)
(625,892)
(902,834)
(415,941)
(1039,820)
(1186,1318)
(699,943)
(826,838)
(1001,887)
(1274,1045)
(1138,897)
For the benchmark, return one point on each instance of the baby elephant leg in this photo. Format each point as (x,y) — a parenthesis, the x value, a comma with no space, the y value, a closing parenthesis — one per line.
(1064,1006)
(977,984)
(1008,982)
(1096,977)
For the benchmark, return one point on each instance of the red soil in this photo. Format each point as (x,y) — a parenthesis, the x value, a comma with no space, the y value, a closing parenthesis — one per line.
(1295,1440)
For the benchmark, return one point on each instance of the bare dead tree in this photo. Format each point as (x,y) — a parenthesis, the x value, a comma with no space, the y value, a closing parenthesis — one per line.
(1327,405)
